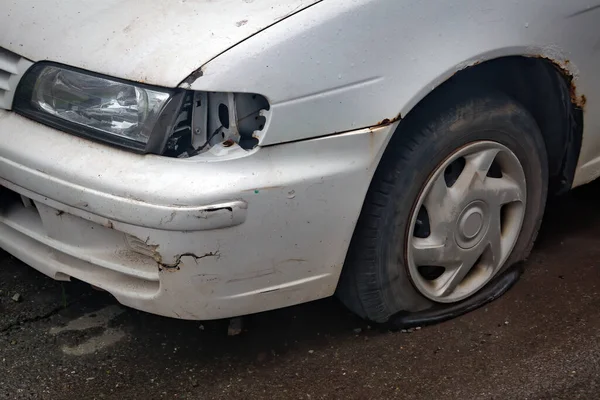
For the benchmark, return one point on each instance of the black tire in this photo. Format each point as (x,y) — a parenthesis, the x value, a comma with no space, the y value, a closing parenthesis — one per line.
(375,283)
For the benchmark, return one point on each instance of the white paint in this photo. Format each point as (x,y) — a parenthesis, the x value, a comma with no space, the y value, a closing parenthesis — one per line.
(341,65)
(282,254)
(267,228)
(153,41)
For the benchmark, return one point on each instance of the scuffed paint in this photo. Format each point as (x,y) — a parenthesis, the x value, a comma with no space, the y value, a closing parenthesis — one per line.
(272,258)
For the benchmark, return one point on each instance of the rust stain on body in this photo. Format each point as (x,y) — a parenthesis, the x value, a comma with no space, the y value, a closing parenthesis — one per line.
(578,100)
(388,121)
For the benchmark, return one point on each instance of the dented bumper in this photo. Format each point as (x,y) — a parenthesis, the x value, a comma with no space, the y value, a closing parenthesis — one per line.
(227,233)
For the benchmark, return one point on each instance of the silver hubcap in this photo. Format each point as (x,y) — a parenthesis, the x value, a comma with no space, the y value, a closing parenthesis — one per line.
(466,221)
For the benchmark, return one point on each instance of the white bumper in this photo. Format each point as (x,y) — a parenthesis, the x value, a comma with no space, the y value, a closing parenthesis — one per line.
(209,237)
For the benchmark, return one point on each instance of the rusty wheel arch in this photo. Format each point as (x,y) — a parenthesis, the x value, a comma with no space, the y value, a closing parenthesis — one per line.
(544,86)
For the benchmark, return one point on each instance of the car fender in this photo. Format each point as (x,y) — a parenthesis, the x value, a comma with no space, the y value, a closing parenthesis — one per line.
(342,65)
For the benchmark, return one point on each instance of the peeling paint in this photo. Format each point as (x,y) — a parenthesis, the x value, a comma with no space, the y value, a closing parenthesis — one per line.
(187,83)
(175,265)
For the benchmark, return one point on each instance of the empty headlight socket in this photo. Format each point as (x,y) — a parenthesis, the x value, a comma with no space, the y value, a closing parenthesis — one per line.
(209,118)
(219,117)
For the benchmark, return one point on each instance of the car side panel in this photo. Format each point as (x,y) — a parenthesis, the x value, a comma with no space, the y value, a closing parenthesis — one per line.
(342,65)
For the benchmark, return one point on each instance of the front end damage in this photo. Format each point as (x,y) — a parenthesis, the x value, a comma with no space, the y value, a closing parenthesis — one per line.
(209,119)
(229,231)
(198,221)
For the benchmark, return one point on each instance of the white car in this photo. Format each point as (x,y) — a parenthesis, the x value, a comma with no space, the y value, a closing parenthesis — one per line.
(208,159)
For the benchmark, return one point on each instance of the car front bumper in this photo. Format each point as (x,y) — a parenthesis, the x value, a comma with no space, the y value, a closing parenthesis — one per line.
(214,236)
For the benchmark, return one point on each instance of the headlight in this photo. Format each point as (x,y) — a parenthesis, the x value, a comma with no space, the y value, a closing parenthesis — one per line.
(129,114)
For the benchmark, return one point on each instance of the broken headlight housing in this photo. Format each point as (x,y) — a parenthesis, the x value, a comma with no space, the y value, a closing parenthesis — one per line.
(207,119)
(143,118)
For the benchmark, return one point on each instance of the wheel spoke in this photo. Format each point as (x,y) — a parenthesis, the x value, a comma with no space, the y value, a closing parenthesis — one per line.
(476,168)
(425,252)
(440,208)
(494,237)
(503,190)
(457,275)
(437,196)
(482,161)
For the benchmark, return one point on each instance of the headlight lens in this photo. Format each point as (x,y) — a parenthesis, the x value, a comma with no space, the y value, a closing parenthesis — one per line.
(125,113)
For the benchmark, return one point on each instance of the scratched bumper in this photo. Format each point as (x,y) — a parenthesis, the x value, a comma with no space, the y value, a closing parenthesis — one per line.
(222,234)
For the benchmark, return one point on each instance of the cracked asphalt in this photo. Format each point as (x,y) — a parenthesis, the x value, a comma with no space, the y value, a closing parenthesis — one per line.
(539,341)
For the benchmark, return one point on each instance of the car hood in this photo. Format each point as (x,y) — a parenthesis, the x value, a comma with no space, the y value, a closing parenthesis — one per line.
(153,41)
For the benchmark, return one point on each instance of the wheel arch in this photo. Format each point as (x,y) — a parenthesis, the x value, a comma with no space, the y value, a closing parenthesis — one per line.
(545,87)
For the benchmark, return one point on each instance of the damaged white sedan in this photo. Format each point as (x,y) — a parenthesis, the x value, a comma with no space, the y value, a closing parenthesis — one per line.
(208,159)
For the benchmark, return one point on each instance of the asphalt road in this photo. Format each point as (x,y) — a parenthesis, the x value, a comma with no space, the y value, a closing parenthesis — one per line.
(540,341)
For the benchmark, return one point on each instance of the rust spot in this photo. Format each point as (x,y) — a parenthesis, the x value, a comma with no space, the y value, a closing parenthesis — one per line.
(228,143)
(578,101)
(387,121)
(109,224)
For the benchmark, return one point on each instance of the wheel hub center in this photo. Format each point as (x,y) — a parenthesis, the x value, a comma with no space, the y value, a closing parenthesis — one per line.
(471,224)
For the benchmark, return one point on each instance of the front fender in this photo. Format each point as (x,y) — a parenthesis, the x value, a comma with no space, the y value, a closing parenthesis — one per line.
(342,65)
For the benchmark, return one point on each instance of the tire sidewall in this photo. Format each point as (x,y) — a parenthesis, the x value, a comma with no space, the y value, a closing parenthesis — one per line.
(497,120)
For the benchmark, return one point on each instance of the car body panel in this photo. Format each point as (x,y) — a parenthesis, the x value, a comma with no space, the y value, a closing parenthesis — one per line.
(301,201)
(323,73)
(233,231)
(154,41)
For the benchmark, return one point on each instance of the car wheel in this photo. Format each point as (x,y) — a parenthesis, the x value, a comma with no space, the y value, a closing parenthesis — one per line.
(457,198)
